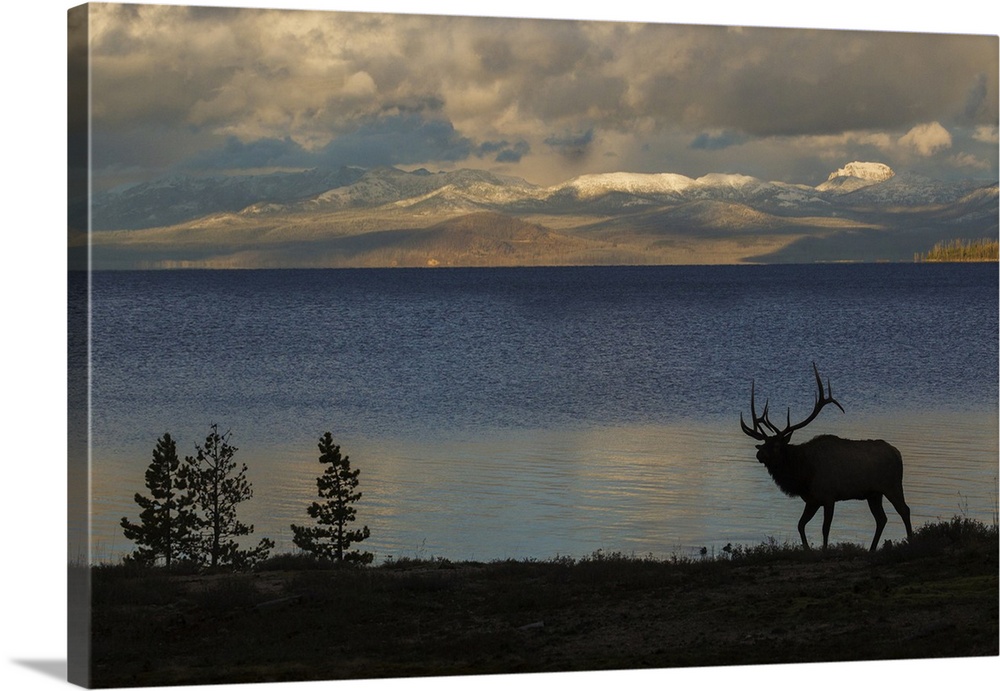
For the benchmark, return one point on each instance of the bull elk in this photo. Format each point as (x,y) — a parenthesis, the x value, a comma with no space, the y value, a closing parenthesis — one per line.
(828,469)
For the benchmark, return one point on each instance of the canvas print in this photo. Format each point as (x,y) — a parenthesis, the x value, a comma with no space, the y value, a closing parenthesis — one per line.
(406,345)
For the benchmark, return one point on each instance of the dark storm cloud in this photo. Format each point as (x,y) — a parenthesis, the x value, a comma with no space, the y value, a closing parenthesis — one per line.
(261,153)
(512,155)
(539,50)
(795,82)
(398,140)
(976,105)
(713,142)
(264,88)
(571,145)
(503,151)
(393,140)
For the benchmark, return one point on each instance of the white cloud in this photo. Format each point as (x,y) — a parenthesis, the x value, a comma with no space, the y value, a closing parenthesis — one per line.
(927,139)
(964,160)
(987,133)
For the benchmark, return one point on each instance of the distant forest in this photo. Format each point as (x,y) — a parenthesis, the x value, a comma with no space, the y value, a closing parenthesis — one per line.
(983,250)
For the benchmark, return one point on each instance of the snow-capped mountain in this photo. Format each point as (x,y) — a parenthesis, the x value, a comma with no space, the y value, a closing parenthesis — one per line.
(384,186)
(856,175)
(864,170)
(183,198)
(391,217)
(908,189)
(599,184)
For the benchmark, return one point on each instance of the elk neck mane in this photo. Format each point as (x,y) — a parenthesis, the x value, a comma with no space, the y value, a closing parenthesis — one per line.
(788,470)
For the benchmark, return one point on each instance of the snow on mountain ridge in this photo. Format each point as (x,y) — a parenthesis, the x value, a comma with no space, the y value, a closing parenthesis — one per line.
(910,189)
(735,180)
(394,186)
(181,198)
(855,176)
(596,184)
(865,170)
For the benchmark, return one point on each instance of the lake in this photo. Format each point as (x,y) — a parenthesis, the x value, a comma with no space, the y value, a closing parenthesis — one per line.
(530,413)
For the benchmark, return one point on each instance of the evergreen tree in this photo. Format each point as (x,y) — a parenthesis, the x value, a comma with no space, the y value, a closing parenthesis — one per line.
(167,522)
(332,539)
(219,488)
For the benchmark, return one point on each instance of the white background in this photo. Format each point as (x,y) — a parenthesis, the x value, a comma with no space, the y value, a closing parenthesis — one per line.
(33,332)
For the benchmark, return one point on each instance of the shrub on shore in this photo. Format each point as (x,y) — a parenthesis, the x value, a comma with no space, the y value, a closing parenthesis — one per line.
(957,534)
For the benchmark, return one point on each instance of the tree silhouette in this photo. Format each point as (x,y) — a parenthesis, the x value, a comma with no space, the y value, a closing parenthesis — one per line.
(219,488)
(332,539)
(167,522)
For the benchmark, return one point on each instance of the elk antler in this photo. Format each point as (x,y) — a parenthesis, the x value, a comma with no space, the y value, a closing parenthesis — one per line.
(821,401)
(757,432)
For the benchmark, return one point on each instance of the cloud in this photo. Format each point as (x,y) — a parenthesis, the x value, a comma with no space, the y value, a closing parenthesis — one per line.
(722,140)
(175,84)
(387,141)
(963,160)
(504,151)
(927,139)
(571,145)
(398,140)
(976,105)
(261,153)
(987,133)
(785,82)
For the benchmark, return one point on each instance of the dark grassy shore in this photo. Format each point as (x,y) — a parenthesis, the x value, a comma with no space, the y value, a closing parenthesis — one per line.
(293,620)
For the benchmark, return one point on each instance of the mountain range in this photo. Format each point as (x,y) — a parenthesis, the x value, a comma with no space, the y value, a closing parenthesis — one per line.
(864,211)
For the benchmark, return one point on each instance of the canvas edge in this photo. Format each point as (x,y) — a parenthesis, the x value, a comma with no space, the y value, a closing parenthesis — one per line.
(78,347)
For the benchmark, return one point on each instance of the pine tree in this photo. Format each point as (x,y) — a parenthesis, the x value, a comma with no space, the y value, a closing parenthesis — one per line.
(167,521)
(332,539)
(219,489)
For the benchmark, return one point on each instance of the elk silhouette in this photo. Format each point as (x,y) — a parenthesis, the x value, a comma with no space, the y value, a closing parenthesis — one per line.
(828,469)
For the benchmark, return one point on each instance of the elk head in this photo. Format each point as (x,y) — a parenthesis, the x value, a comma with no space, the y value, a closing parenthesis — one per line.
(775,440)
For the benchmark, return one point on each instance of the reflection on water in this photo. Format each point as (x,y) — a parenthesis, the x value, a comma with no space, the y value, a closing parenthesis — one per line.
(530,413)
(640,489)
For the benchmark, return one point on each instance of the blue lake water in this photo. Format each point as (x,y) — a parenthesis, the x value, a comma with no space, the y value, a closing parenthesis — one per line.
(537,412)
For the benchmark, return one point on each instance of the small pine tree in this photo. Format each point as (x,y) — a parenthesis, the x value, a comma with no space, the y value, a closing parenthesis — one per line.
(332,539)
(167,523)
(219,489)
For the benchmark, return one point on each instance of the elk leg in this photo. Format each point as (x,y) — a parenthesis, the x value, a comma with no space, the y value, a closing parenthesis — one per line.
(827,520)
(807,515)
(902,509)
(875,504)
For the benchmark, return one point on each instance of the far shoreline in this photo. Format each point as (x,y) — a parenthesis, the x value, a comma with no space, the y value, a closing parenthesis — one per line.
(440,267)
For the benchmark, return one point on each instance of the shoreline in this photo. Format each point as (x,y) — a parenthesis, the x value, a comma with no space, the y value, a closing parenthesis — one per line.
(768,604)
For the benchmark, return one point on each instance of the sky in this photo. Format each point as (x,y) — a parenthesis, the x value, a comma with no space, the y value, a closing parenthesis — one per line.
(222,90)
